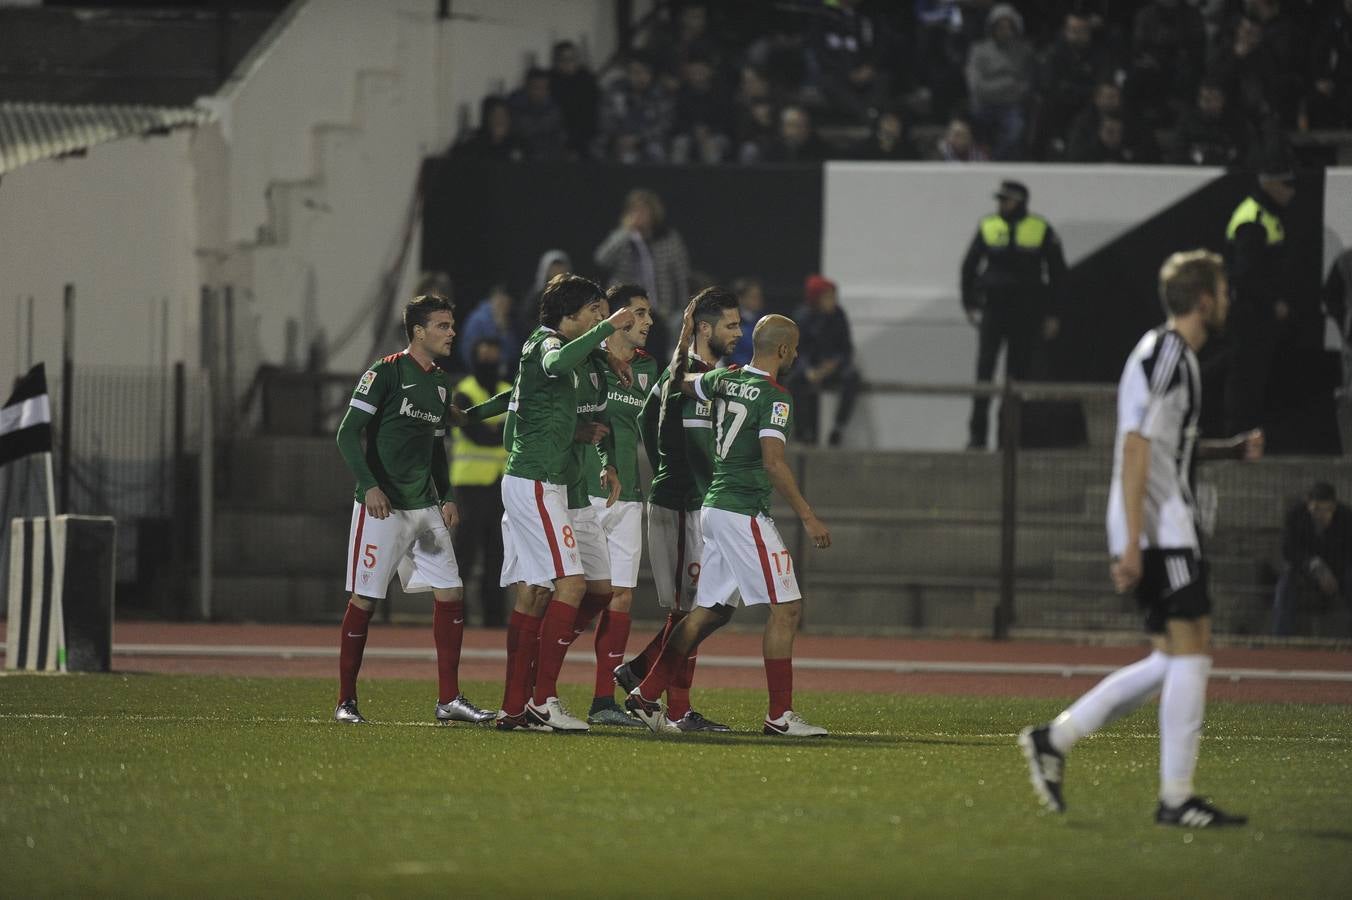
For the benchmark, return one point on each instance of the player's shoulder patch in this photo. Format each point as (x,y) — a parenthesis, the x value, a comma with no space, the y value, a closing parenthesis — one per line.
(551,342)
(779,413)
(368,379)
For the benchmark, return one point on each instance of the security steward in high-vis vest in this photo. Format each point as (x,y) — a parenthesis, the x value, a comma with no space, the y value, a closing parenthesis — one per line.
(478,460)
(1011,291)
(1256,256)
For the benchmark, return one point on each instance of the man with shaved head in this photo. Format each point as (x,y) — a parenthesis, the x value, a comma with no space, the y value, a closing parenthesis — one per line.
(744,558)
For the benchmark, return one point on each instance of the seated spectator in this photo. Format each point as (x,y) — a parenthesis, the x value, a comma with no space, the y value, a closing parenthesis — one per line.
(494,139)
(538,119)
(958,144)
(1167,51)
(704,116)
(673,46)
(491,321)
(1210,134)
(1317,549)
(1108,145)
(755,114)
(846,57)
(888,141)
(636,115)
(1000,81)
(1288,50)
(573,87)
(1246,69)
(1067,78)
(825,360)
(797,140)
(1328,104)
(1107,103)
(751,302)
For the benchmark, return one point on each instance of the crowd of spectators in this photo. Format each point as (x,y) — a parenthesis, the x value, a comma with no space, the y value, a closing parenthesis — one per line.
(1205,82)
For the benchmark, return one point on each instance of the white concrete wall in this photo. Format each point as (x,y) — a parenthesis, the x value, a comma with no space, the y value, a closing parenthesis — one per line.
(119,224)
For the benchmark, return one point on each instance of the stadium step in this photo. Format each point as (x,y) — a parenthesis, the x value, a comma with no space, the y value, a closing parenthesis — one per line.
(290,474)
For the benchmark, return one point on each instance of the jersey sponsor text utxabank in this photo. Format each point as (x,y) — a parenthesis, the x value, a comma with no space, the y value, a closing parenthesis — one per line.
(624,406)
(592,406)
(1159,398)
(685,445)
(747,405)
(407,405)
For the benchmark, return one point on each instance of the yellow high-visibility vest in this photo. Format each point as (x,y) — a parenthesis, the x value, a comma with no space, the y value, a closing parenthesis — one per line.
(1252,211)
(1029,234)
(471,463)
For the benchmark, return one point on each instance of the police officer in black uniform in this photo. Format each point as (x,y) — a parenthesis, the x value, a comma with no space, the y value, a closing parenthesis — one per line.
(1011,291)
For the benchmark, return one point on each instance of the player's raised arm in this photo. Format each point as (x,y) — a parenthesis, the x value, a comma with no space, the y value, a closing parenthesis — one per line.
(567,357)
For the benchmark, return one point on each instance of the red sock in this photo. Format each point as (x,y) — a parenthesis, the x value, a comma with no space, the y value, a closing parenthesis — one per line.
(351,644)
(779,678)
(591,606)
(662,674)
(612,633)
(678,692)
(640,665)
(556,635)
(448,633)
(522,637)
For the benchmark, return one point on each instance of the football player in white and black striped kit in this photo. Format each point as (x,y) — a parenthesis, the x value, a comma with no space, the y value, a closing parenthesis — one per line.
(1153,541)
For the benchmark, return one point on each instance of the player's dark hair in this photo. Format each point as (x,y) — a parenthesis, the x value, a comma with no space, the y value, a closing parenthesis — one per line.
(710,303)
(1186,276)
(620,296)
(419,310)
(565,295)
(1322,492)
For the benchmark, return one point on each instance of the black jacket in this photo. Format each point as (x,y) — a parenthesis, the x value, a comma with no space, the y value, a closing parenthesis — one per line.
(1037,275)
(1300,544)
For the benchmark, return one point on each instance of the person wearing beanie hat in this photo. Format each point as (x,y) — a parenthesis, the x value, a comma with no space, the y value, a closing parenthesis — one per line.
(825,360)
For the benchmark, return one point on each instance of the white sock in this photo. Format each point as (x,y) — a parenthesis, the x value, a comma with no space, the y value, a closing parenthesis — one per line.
(1182,706)
(1112,698)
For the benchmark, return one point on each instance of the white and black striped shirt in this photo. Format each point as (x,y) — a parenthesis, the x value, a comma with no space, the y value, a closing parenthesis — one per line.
(1159,398)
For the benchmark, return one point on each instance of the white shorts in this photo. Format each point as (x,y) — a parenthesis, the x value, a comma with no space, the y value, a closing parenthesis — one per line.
(623,527)
(413,542)
(542,539)
(675,544)
(509,575)
(591,543)
(746,554)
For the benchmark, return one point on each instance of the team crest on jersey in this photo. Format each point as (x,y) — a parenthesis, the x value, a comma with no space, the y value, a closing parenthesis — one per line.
(779,413)
(364,386)
(441,392)
(551,343)
(643,381)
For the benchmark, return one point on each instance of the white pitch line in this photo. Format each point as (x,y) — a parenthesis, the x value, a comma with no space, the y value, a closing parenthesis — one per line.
(896,667)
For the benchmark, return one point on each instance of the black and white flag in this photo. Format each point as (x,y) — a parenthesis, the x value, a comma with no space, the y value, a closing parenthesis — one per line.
(26,418)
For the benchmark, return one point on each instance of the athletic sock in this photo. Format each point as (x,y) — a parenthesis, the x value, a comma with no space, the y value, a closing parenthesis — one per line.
(448,632)
(779,679)
(678,692)
(612,633)
(522,643)
(591,606)
(1182,707)
(556,636)
(1112,698)
(351,645)
(662,674)
(642,664)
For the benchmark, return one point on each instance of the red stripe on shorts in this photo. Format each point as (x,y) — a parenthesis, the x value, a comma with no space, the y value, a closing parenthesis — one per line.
(356,544)
(549,528)
(680,561)
(764,560)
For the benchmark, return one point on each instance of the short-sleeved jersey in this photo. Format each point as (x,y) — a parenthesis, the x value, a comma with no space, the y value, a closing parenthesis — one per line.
(545,413)
(591,407)
(685,445)
(624,406)
(748,405)
(1159,398)
(407,405)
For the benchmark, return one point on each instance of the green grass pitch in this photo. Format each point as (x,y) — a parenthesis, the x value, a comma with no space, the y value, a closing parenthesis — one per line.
(146,785)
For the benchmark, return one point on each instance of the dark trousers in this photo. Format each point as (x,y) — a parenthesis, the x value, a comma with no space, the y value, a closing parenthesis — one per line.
(807,400)
(1299,601)
(480,532)
(1013,320)
(1246,379)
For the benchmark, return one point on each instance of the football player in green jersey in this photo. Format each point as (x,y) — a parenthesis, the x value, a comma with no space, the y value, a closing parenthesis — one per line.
(743,551)
(678,436)
(403,510)
(544,549)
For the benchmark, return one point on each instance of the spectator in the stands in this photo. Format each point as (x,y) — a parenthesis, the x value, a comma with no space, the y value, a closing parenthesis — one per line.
(491,321)
(1000,73)
(846,58)
(1109,144)
(1107,104)
(959,145)
(551,263)
(751,304)
(675,44)
(644,249)
(889,140)
(704,116)
(1066,79)
(1247,69)
(755,114)
(1328,104)
(825,360)
(1288,49)
(636,115)
(797,140)
(537,118)
(1317,552)
(494,139)
(1210,134)
(1167,54)
(573,87)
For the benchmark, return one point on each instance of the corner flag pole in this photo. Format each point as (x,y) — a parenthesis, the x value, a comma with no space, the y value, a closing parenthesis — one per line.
(51,486)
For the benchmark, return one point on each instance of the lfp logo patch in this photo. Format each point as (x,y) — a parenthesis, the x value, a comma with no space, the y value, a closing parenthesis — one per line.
(364,386)
(779,413)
